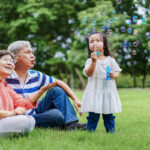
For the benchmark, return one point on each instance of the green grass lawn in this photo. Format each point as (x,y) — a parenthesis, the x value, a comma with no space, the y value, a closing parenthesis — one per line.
(132,130)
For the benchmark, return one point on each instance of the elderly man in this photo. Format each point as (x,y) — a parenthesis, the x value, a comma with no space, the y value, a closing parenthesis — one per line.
(55,109)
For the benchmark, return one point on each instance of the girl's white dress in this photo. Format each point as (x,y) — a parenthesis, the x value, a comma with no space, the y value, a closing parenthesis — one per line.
(101,95)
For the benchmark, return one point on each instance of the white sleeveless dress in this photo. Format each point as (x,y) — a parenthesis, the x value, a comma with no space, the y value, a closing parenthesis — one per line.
(101,95)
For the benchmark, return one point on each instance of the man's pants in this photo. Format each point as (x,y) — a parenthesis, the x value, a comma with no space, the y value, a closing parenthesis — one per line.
(93,119)
(54,110)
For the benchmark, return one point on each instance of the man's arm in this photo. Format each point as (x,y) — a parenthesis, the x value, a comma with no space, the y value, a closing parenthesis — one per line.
(66,88)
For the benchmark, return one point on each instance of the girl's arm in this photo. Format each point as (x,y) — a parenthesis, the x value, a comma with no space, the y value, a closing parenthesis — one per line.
(89,71)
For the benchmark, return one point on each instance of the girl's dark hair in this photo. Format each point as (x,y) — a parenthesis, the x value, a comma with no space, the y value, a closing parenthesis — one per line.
(5,52)
(106,48)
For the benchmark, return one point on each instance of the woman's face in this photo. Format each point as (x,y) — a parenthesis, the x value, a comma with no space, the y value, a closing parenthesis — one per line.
(96,42)
(6,66)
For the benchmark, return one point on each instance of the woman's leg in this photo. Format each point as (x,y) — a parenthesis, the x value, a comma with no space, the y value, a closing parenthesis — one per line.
(93,119)
(109,122)
(21,124)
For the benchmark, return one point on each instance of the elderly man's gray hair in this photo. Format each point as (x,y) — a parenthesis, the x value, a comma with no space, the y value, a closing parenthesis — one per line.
(17,45)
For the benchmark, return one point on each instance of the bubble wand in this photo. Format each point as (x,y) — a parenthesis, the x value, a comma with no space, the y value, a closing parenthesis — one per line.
(96,52)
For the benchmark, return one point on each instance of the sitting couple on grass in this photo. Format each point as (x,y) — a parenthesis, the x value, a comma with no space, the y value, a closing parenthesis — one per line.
(54,110)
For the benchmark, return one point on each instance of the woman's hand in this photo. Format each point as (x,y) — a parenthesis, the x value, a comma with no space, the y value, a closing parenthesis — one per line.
(47,87)
(20,111)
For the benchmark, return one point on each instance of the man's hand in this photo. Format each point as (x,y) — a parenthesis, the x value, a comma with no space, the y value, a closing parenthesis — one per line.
(20,111)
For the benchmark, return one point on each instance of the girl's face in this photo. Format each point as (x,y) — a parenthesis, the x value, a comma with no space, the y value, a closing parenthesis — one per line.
(6,66)
(96,42)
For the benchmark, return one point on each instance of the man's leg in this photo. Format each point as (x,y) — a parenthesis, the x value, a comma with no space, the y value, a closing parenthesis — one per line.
(52,118)
(109,122)
(57,98)
(93,119)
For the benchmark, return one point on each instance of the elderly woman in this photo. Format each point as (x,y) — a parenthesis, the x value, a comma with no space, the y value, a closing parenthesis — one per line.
(12,106)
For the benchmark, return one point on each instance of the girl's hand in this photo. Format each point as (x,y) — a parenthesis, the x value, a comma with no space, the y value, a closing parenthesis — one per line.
(20,111)
(114,75)
(94,57)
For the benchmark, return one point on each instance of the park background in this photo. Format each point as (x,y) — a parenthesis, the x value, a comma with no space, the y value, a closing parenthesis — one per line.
(57,30)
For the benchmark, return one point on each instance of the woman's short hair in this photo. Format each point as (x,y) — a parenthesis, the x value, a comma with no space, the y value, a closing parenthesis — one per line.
(5,52)
(17,45)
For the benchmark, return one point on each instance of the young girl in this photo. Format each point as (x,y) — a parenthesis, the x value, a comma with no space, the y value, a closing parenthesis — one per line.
(100,96)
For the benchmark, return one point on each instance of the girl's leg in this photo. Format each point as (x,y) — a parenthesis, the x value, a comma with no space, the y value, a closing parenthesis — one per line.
(109,122)
(93,119)
(21,124)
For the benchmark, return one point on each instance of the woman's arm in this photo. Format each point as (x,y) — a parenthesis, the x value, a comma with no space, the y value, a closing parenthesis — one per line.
(4,113)
(31,101)
(17,111)
(40,92)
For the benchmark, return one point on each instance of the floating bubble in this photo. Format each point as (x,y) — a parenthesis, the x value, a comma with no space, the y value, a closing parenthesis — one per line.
(114,11)
(148,34)
(129,21)
(129,30)
(93,29)
(144,20)
(135,32)
(108,27)
(85,17)
(86,31)
(130,44)
(123,29)
(135,44)
(83,21)
(109,21)
(104,23)
(135,19)
(138,42)
(109,32)
(124,44)
(134,52)
(118,1)
(93,22)
(103,27)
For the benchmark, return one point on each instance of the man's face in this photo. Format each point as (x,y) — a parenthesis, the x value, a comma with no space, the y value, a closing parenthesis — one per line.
(25,57)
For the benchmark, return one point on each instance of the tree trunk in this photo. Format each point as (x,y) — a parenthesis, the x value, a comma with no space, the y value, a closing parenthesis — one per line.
(143,81)
(80,77)
(133,70)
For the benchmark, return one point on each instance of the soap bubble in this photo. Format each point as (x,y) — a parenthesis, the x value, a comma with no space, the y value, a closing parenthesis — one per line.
(123,29)
(129,30)
(134,52)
